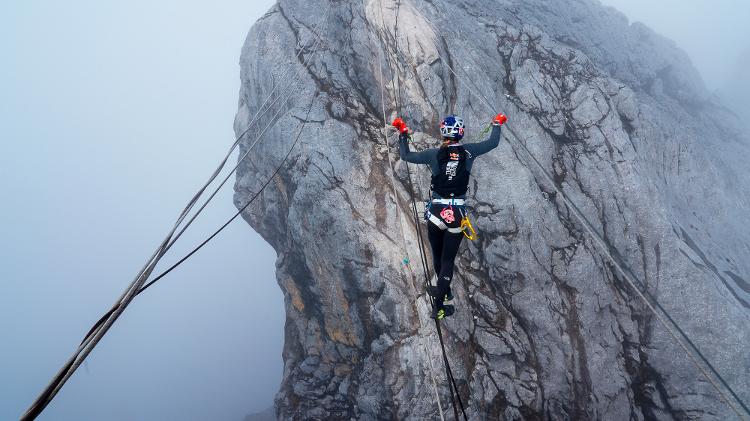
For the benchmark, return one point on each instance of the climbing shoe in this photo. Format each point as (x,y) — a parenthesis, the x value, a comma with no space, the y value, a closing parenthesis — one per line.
(433,291)
(444,312)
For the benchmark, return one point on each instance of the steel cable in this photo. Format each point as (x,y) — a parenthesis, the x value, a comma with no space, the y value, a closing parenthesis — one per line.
(100,329)
(648,299)
(455,397)
(398,211)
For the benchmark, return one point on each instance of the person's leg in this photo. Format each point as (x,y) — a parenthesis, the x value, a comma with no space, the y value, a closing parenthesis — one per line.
(451,243)
(435,235)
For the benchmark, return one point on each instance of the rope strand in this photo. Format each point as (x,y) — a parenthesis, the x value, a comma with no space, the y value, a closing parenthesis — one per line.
(101,328)
(646,297)
(398,211)
(455,397)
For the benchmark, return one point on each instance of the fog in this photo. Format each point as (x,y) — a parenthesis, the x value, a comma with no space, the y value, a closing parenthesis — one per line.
(736,88)
(112,115)
(715,34)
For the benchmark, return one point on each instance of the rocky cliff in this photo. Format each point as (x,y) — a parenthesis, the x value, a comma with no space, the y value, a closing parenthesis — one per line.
(545,327)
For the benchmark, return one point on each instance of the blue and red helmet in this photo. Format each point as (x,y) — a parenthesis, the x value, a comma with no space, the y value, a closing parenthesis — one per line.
(452,127)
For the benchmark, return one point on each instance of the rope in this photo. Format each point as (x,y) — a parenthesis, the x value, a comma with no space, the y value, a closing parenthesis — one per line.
(163,274)
(398,211)
(425,265)
(290,91)
(424,258)
(272,123)
(646,297)
(257,115)
(242,209)
(101,328)
(228,222)
(425,262)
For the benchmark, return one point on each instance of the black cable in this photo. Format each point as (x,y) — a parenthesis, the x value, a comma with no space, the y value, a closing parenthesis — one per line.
(625,269)
(612,252)
(218,231)
(102,326)
(450,371)
(106,315)
(423,256)
(239,212)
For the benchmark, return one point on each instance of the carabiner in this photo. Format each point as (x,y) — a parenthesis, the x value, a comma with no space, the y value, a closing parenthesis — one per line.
(468,229)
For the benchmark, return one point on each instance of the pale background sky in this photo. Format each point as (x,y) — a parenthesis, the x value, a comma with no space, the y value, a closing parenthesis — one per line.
(714,33)
(112,114)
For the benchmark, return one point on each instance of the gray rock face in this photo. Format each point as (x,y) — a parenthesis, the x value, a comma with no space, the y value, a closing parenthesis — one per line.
(545,327)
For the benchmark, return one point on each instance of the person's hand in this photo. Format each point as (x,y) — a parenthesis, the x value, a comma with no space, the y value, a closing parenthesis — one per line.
(499,120)
(400,124)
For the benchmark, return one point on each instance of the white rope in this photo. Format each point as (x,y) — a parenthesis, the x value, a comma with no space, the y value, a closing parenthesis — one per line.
(401,223)
(598,240)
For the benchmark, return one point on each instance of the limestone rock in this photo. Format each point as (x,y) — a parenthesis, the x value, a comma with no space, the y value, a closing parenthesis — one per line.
(545,328)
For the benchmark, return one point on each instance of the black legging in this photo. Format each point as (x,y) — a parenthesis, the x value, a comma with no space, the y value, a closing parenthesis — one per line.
(444,246)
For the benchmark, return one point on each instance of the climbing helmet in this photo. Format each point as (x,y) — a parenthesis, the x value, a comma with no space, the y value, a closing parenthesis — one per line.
(452,127)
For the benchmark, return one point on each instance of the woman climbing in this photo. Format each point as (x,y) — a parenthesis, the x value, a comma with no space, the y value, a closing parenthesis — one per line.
(451,168)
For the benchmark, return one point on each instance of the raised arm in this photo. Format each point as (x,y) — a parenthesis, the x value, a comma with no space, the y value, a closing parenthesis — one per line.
(424,157)
(485,146)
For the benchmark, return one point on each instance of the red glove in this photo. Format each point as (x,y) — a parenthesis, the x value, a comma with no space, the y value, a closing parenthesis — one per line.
(400,124)
(499,120)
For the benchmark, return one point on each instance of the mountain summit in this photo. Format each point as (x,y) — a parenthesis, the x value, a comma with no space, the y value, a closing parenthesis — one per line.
(546,327)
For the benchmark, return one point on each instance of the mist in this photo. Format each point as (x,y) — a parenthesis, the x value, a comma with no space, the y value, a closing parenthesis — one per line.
(113,114)
(736,89)
(715,34)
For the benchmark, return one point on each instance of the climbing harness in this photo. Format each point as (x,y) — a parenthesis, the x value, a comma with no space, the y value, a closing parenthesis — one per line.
(451,202)
(449,214)
(446,215)
(453,388)
(403,236)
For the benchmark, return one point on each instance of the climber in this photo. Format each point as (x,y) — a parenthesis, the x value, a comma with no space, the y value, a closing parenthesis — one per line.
(451,167)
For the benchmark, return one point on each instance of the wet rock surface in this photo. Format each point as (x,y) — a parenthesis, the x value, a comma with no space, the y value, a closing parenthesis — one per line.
(545,328)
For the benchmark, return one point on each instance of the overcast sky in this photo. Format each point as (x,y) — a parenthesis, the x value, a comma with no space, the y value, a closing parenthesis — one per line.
(714,33)
(112,114)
